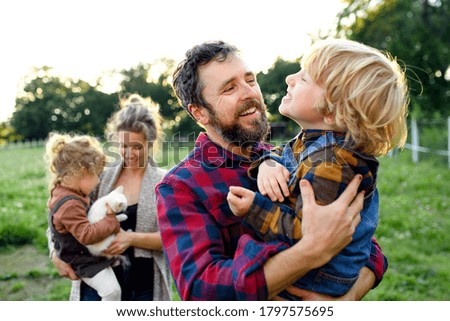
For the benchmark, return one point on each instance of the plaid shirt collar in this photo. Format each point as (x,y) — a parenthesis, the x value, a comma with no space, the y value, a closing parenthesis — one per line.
(307,135)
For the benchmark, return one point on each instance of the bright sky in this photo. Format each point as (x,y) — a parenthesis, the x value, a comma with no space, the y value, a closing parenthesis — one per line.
(86,38)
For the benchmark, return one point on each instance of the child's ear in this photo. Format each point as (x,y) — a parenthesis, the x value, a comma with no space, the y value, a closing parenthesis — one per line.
(329,119)
(199,113)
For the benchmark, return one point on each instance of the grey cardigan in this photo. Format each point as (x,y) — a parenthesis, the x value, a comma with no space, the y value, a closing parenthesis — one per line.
(146,222)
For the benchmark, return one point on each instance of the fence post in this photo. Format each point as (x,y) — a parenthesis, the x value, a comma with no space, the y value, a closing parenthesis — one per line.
(414,141)
(448,141)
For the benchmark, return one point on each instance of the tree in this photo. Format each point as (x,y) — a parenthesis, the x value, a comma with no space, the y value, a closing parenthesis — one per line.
(273,86)
(49,103)
(417,32)
(7,134)
(139,80)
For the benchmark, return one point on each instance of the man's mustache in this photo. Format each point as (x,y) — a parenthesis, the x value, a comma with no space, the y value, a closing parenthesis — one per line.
(250,104)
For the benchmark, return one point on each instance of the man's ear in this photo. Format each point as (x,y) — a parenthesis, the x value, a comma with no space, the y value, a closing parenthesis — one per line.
(199,113)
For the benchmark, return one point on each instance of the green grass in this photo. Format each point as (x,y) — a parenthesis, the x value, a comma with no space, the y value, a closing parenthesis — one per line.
(23,197)
(413,229)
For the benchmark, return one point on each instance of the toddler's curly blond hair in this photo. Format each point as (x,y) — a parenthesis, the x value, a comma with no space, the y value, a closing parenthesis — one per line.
(72,156)
(365,93)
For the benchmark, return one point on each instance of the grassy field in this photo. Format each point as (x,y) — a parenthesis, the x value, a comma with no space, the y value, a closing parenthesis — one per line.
(413,230)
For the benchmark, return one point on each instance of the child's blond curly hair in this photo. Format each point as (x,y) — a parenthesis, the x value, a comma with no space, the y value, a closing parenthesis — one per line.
(365,93)
(72,156)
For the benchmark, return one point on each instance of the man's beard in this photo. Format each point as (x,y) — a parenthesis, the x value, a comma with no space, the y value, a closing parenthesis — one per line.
(237,134)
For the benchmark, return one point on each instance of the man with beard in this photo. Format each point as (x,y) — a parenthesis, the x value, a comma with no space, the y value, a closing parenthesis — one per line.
(211,255)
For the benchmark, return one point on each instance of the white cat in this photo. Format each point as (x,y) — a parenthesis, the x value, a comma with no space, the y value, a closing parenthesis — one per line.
(117,201)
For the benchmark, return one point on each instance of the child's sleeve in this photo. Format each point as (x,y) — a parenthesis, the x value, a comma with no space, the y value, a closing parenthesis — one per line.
(275,154)
(273,221)
(73,217)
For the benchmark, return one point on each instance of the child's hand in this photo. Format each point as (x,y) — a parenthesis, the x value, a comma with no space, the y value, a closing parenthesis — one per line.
(272,180)
(240,200)
(109,210)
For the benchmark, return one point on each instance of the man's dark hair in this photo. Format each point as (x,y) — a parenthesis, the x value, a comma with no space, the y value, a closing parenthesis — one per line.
(186,82)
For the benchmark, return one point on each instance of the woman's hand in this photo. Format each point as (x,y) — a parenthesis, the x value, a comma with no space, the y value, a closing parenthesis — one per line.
(64,269)
(121,242)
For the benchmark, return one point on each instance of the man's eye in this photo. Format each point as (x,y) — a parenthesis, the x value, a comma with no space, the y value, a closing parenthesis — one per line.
(228,89)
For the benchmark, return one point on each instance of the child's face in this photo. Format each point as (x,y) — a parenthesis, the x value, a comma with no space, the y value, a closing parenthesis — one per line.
(303,94)
(88,182)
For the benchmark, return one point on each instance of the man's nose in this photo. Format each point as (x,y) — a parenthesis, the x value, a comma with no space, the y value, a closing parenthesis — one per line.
(249,91)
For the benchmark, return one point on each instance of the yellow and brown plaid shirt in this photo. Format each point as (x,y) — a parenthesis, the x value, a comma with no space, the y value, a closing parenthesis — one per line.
(321,157)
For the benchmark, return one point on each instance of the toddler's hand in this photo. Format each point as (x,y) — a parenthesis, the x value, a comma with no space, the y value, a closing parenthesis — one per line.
(109,210)
(240,200)
(272,180)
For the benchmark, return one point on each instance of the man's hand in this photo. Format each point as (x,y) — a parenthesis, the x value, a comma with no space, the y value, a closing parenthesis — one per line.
(240,200)
(341,217)
(326,231)
(272,180)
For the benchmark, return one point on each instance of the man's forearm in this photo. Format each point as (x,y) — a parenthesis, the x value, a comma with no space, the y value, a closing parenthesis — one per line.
(286,267)
(362,286)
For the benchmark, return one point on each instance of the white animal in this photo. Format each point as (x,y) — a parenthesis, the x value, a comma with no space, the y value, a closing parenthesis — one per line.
(117,201)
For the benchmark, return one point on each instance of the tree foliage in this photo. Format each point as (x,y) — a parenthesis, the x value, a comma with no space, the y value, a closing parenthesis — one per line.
(49,103)
(7,134)
(273,86)
(139,80)
(417,32)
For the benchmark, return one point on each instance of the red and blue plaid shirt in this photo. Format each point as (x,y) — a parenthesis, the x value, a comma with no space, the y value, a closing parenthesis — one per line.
(212,256)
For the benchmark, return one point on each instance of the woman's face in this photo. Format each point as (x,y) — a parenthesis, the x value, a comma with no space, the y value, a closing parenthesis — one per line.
(133,149)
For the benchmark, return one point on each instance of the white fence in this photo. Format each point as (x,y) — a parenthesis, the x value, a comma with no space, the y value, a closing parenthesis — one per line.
(24,145)
(415,147)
